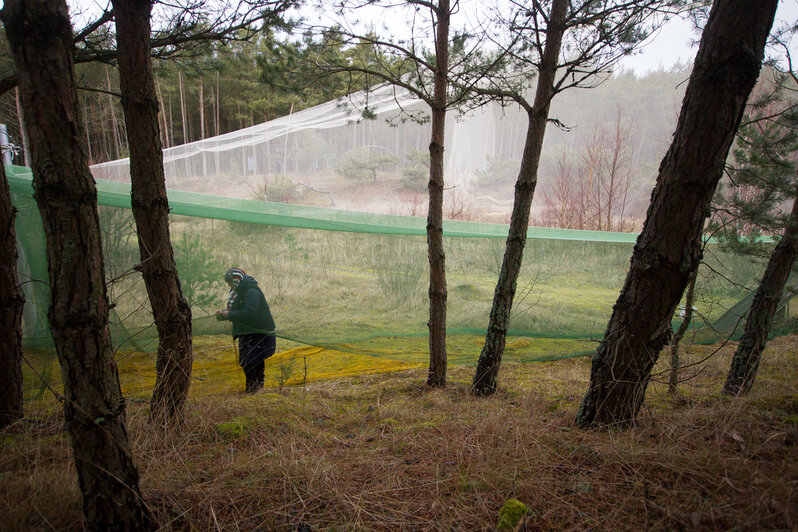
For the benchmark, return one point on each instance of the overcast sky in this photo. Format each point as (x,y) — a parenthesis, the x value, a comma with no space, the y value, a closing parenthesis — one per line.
(677,42)
(673,43)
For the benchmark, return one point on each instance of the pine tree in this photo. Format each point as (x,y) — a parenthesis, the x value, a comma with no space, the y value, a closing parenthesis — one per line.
(726,68)
(765,184)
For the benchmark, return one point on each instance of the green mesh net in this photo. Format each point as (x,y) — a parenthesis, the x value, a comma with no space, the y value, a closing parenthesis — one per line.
(357,282)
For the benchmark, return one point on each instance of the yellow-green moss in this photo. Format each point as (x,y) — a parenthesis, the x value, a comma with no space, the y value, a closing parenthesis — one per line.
(234,429)
(512,512)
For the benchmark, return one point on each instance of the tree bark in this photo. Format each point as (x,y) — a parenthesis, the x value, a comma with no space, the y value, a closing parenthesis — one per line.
(12,302)
(151,211)
(487,372)
(437,259)
(763,307)
(40,36)
(726,67)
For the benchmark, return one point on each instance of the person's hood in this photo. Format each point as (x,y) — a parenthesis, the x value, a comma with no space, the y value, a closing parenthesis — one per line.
(246,283)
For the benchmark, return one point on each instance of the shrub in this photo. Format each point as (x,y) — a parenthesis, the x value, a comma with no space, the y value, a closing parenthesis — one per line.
(364,166)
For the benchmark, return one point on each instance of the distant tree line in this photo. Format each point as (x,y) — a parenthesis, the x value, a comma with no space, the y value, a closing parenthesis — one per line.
(218,88)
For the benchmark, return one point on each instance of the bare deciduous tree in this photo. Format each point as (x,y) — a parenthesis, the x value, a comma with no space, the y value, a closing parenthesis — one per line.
(591,193)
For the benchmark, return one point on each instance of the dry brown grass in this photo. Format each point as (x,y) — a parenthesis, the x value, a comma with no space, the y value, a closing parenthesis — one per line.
(383,452)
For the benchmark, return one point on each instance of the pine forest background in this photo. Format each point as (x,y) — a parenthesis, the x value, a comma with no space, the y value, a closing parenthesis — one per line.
(220,89)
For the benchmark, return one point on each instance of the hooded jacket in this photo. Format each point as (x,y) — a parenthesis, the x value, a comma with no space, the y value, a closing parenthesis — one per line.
(249,311)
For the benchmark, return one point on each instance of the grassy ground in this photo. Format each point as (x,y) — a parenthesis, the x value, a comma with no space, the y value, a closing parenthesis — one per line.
(380,451)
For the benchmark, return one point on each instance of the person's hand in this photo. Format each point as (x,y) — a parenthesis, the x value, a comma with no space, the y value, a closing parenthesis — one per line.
(221,315)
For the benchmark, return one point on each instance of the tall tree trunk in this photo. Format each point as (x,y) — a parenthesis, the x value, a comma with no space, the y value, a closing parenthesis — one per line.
(171,128)
(151,211)
(214,113)
(763,307)
(182,107)
(164,127)
(12,302)
(88,137)
(437,258)
(725,70)
(22,132)
(202,109)
(673,377)
(40,36)
(114,124)
(486,376)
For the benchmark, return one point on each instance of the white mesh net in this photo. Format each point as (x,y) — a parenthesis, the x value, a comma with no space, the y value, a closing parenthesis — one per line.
(329,155)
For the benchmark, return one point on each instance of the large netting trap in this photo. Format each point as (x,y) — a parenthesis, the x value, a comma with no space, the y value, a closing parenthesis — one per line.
(357,282)
(327,212)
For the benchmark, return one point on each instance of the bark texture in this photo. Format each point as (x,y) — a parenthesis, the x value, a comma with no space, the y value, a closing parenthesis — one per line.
(151,211)
(763,307)
(94,411)
(726,67)
(487,372)
(12,301)
(437,258)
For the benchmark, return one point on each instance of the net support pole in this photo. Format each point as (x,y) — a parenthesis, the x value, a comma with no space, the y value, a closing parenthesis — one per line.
(5,145)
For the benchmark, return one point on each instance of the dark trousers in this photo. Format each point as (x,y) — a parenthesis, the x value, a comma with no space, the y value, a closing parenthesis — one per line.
(254,375)
(253,349)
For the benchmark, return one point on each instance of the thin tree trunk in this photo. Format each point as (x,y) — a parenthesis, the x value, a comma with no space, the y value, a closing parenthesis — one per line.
(673,377)
(105,145)
(437,259)
(162,117)
(612,174)
(218,105)
(114,124)
(171,129)
(151,211)
(285,143)
(189,119)
(182,107)
(726,68)
(22,132)
(202,109)
(214,114)
(40,36)
(486,376)
(12,302)
(88,137)
(763,307)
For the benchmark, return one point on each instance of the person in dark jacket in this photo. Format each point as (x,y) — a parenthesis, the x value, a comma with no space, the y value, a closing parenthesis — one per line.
(253,325)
